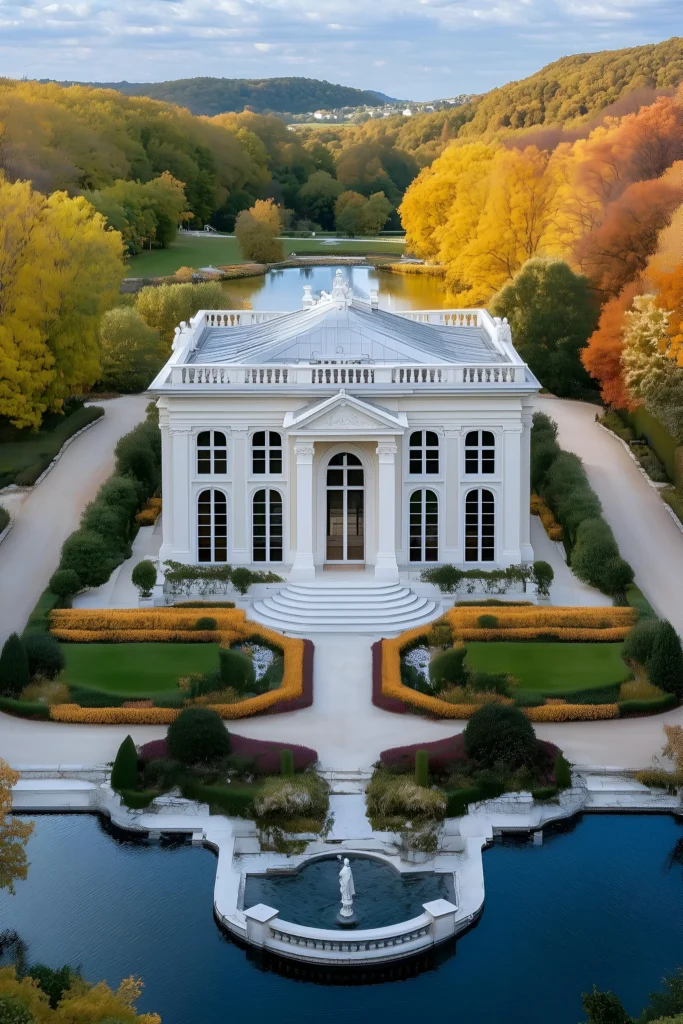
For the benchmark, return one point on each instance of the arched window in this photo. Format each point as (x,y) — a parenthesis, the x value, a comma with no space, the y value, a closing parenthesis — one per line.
(266,452)
(424,527)
(267,526)
(212,527)
(424,452)
(480,537)
(480,452)
(212,452)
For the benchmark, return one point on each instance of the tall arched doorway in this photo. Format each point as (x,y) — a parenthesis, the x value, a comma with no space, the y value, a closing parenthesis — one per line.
(345,519)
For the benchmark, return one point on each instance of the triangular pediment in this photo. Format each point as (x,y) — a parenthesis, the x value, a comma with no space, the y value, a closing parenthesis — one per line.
(345,414)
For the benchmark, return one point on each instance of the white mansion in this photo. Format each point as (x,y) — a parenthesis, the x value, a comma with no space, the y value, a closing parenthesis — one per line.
(343,435)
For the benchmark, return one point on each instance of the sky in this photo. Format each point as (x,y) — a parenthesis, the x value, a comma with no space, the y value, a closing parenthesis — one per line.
(411,49)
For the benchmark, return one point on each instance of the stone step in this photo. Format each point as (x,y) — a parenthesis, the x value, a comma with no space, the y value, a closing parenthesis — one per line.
(327,606)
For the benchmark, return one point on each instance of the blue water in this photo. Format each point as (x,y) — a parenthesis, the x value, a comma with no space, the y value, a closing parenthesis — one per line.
(600,903)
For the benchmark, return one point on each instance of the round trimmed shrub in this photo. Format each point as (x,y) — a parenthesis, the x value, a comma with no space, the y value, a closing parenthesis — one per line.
(144,577)
(45,655)
(640,641)
(498,734)
(197,735)
(543,576)
(448,668)
(90,557)
(14,671)
(487,622)
(665,664)
(236,670)
(65,583)
(205,623)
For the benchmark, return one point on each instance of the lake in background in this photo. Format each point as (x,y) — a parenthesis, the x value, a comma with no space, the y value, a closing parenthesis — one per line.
(284,289)
(598,902)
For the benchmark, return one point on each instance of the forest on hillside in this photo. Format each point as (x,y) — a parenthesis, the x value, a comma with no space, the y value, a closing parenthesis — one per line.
(262,95)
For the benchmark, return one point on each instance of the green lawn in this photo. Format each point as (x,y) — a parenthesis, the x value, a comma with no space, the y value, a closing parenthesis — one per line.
(223,251)
(139,670)
(551,666)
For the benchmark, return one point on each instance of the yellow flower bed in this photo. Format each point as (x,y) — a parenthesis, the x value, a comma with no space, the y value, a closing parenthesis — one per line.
(550,523)
(542,617)
(144,618)
(568,624)
(152,625)
(572,712)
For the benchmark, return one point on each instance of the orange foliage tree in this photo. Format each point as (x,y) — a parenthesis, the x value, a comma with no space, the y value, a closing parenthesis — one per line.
(669,285)
(602,355)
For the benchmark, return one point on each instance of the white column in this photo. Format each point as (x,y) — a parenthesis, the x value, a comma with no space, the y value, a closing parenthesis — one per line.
(241,553)
(181,474)
(386,567)
(510,512)
(166,550)
(525,485)
(303,567)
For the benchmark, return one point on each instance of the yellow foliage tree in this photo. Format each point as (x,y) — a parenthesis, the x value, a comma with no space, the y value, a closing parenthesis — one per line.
(14,834)
(257,231)
(82,1003)
(59,270)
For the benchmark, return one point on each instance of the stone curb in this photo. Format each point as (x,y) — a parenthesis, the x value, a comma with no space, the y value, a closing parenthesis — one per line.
(652,483)
(13,488)
(7,529)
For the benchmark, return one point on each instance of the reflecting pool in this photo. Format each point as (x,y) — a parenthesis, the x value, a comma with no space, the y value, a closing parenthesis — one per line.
(600,901)
(284,289)
(383,896)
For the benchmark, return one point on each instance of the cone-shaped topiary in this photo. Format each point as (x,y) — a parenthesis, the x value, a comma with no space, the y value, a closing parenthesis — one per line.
(197,735)
(124,774)
(665,664)
(498,734)
(422,768)
(14,670)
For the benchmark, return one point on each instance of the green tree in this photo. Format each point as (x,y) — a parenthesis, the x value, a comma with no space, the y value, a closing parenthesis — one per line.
(604,1008)
(164,308)
(552,313)
(144,577)
(198,735)
(375,213)
(14,670)
(499,734)
(317,197)
(124,773)
(348,213)
(131,351)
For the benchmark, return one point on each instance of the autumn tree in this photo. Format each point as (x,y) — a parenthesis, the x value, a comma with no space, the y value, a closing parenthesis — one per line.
(131,352)
(669,285)
(163,309)
(649,375)
(59,270)
(551,312)
(14,834)
(79,1001)
(257,231)
(602,355)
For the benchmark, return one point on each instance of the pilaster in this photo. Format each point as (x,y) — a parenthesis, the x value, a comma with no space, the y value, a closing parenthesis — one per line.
(303,567)
(386,567)
(241,555)
(512,490)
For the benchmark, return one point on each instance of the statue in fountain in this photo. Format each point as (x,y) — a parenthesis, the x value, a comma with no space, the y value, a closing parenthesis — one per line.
(348,891)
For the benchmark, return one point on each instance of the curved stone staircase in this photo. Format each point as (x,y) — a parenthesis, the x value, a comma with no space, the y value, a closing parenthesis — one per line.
(344,607)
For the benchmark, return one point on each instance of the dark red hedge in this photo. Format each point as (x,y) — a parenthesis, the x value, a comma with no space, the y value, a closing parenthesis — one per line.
(378,698)
(265,753)
(443,753)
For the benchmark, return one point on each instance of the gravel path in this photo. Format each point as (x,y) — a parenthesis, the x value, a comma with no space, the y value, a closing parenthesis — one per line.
(50,512)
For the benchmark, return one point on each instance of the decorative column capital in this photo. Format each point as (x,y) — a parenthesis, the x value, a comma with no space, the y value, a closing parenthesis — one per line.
(518,429)
(304,452)
(387,451)
(238,432)
(182,431)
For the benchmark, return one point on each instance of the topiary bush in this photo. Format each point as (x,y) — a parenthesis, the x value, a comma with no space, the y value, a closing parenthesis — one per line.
(197,735)
(90,556)
(205,623)
(65,583)
(498,734)
(236,669)
(562,771)
(448,668)
(487,622)
(45,655)
(144,577)
(640,641)
(543,576)
(14,670)
(124,773)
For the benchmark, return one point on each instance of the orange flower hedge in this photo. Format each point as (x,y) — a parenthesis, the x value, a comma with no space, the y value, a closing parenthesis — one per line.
(516,623)
(159,625)
(550,523)
(150,513)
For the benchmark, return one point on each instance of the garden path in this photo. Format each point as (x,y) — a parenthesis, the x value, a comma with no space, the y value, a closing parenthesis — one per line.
(646,534)
(50,512)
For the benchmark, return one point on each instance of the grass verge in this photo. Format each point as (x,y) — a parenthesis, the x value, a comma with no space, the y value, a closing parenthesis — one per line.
(550,667)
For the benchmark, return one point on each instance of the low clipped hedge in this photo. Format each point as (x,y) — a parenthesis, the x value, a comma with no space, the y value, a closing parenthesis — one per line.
(24,708)
(236,801)
(265,754)
(653,706)
(138,799)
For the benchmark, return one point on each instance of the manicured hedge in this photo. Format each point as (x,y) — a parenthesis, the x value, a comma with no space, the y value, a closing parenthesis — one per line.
(653,706)
(237,801)
(4,518)
(265,754)
(138,799)
(24,708)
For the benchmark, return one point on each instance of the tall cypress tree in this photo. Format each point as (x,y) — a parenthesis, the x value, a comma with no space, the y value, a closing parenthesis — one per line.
(665,664)
(124,774)
(14,671)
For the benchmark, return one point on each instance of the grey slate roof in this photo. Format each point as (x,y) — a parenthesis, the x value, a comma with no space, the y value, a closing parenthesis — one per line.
(353,332)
